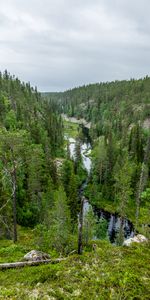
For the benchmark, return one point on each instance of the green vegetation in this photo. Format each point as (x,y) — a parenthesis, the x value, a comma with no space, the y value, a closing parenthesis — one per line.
(108,273)
(11,252)
(35,170)
(41,188)
(70,129)
(119,113)
(31,136)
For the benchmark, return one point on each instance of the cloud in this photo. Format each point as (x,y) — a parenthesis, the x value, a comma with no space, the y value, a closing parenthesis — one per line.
(64,43)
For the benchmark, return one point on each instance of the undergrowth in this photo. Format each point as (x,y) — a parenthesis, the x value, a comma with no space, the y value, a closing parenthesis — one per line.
(110,272)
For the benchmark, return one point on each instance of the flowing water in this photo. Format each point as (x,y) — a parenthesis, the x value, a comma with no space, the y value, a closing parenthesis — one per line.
(85,151)
(113,220)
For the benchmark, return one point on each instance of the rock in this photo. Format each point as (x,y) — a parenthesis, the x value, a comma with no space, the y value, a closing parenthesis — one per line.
(35,255)
(136,239)
(146,124)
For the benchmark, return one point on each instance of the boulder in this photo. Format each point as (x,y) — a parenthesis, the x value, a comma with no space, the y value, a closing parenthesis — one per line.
(136,239)
(35,255)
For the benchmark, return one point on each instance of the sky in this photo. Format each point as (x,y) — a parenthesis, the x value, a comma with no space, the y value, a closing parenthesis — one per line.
(60,44)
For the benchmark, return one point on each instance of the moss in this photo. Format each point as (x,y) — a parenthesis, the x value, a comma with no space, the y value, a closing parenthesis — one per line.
(108,273)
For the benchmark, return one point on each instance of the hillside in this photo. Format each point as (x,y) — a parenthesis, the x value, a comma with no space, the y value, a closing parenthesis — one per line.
(37,176)
(31,136)
(120,102)
(109,273)
(46,190)
(119,113)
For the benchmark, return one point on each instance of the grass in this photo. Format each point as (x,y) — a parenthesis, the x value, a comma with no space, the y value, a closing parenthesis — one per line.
(70,129)
(10,252)
(108,273)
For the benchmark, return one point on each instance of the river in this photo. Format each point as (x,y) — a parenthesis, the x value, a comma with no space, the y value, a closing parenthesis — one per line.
(85,151)
(113,220)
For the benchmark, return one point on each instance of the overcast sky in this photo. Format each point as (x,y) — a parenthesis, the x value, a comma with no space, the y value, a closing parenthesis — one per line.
(60,44)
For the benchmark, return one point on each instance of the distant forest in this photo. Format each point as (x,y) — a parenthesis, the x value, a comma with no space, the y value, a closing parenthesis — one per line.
(40,182)
(119,113)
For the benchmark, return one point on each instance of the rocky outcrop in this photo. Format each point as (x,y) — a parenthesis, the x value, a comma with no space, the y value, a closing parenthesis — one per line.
(35,255)
(77,121)
(136,239)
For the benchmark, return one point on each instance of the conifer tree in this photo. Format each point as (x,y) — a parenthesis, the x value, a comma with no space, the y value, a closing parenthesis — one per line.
(11,144)
(73,198)
(143,180)
(89,225)
(123,191)
(60,227)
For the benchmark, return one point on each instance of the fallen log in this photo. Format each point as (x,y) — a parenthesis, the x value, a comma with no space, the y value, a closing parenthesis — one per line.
(21,264)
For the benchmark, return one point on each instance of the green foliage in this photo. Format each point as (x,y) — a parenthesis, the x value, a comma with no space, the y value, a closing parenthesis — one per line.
(145,212)
(120,235)
(60,228)
(108,273)
(93,228)
(119,116)
(66,174)
(122,177)
(101,229)
(31,136)
(119,102)
(55,233)
(70,129)
(73,198)
(10,120)
(47,194)
(42,237)
(89,226)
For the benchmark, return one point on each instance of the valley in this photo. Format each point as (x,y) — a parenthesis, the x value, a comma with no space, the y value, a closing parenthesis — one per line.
(89,145)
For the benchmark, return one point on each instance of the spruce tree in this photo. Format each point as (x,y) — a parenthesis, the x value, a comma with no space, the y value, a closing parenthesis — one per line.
(60,227)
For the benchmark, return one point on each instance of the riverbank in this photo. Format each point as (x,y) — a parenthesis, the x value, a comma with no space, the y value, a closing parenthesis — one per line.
(109,272)
(74,120)
(103,209)
(70,129)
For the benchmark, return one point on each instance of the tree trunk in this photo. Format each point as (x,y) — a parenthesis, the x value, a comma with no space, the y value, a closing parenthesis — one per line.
(29,263)
(14,205)
(80,227)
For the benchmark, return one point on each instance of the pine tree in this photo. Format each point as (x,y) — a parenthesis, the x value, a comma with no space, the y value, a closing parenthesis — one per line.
(60,227)
(73,198)
(89,225)
(66,174)
(77,154)
(11,144)
(142,180)
(123,190)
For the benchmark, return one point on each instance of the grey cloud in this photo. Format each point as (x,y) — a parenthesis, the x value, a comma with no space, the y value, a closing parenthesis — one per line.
(64,43)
